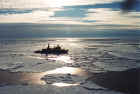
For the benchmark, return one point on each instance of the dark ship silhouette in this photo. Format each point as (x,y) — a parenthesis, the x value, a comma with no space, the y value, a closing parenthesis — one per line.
(55,50)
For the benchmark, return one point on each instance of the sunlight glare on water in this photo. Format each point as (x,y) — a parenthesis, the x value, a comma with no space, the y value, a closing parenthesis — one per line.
(65,84)
(66,59)
(68,70)
(8,77)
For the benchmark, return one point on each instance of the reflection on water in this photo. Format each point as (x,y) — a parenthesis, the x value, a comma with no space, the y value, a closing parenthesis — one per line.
(65,84)
(66,59)
(72,39)
(37,57)
(8,77)
(94,55)
(68,70)
(62,58)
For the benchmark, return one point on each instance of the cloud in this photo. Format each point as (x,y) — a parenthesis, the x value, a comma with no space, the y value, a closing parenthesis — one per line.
(14,11)
(100,14)
(112,5)
(47,3)
(104,16)
(30,17)
(38,16)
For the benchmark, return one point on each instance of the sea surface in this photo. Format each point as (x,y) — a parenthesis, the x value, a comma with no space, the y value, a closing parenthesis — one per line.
(24,72)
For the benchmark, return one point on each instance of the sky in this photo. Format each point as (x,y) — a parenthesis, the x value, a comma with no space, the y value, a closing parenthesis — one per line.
(28,18)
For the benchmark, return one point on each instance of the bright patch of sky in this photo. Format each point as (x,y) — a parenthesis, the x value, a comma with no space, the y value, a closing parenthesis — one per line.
(47,3)
(100,14)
